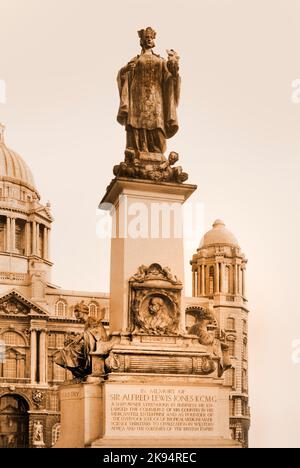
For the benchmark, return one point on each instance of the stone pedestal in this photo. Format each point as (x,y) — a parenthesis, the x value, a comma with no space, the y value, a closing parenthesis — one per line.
(147,228)
(82,418)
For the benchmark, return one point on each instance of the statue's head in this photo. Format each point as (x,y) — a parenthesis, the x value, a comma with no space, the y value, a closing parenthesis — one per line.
(173,158)
(147,37)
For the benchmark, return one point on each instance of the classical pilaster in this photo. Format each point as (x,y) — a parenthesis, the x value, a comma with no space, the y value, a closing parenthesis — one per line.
(8,244)
(33,356)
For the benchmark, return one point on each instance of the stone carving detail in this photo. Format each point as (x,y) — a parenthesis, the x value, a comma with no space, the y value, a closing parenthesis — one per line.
(215,340)
(158,171)
(154,301)
(38,398)
(38,435)
(155,272)
(13,307)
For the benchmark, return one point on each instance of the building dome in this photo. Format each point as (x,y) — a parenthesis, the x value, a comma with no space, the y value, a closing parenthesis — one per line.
(220,235)
(12,166)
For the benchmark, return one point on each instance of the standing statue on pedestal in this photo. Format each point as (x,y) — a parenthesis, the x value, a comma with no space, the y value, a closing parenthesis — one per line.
(149,89)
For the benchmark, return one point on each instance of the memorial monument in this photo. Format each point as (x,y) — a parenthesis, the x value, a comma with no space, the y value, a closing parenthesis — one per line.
(157,379)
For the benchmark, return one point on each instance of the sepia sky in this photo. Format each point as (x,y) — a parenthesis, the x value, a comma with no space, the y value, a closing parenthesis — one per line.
(239,140)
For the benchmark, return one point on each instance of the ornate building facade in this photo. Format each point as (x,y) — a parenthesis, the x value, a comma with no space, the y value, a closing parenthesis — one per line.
(218,270)
(36,317)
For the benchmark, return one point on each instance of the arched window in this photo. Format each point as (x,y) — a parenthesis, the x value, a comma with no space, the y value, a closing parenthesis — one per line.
(60,308)
(94,310)
(12,338)
(55,433)
(211,281)
(230,323)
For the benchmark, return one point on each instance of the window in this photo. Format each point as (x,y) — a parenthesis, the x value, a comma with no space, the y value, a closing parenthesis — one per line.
(231,407)
(59,373)
(40,241)
(53,402)
(10,368)
(226,279)
(51,340)
(12,338)
(60,340)
(55,433)
(245,330)
(230,323)
(211,281)
(20,236)
(60,308)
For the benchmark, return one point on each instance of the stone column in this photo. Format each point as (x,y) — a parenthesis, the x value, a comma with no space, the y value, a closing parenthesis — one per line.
(33,356)
(216,277)
(27,239)
(8,234)
(235,283)
(199,281)
(43,358)
(38,252)
(13,234)
(243,282)
(194,283)
(33,238)
(45,243)
(203,280)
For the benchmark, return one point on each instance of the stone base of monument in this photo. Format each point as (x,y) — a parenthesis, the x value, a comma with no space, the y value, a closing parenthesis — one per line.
(81,414)
(156,396)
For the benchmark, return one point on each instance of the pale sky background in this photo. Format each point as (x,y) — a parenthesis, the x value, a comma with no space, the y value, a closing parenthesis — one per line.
(239,140)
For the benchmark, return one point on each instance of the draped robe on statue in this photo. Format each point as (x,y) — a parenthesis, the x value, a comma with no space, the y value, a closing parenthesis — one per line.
(149,96)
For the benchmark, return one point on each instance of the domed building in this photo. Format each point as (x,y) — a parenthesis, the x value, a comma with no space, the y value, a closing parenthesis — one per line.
(218,269)
(36,317)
